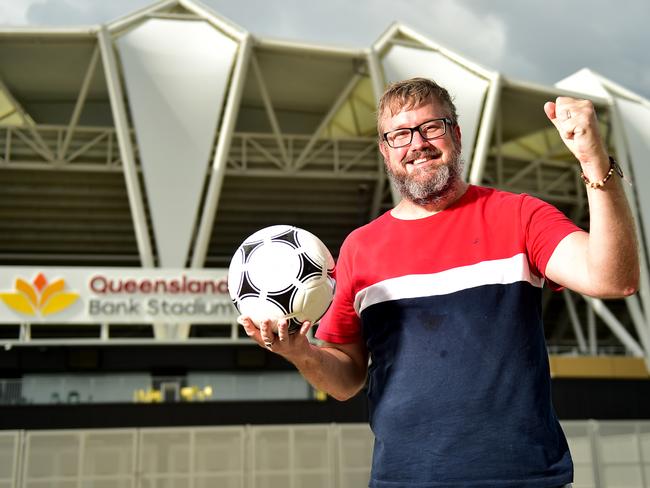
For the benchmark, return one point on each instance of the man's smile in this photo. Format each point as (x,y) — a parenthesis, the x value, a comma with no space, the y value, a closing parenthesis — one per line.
(423,160)
(419,161)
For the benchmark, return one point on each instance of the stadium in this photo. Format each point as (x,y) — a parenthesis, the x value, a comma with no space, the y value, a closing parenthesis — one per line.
(137,155)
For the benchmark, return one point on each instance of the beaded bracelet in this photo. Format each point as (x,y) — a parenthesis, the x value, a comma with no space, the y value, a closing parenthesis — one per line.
(613,166)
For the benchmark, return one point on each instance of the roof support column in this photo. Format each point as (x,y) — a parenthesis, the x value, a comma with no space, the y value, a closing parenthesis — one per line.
(378,84)
(591,330)
(270,112)
(616,327)
(485,132)
(640,326)
(221,154)
(376,77)
(575,321)
(118,109)
(81,99)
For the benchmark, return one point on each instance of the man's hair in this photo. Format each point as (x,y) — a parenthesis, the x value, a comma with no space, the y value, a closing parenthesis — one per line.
(410,94)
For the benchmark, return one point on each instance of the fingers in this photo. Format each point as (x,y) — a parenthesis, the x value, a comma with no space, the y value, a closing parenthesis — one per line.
(253,332)
(267,334)
(577,125)
(249,327)
(559,113)
(570,115)
(274,334)
(305,328)
(283,330)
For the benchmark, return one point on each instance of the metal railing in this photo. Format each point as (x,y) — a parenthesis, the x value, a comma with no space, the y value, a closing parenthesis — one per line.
(96,149)
(143,388)
(255,153)
(56,147)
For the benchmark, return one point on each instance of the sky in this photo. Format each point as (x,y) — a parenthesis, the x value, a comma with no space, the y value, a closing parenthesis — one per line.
(530,40)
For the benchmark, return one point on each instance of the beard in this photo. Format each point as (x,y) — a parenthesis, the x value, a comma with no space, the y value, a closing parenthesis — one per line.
(430,184)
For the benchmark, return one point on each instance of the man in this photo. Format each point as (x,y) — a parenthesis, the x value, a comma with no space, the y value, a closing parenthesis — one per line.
(443,293)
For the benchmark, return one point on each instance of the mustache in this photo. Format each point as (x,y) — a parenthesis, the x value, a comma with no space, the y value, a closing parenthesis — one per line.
(425,153)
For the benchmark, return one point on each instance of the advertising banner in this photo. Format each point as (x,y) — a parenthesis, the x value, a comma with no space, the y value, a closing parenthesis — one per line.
(78,295)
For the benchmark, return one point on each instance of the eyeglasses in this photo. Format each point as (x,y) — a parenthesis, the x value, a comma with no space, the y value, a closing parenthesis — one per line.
(431,129)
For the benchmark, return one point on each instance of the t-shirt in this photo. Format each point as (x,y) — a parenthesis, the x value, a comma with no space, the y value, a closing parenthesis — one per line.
(449,307)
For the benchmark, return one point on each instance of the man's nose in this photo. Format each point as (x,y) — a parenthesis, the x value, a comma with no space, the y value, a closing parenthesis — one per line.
(418,141)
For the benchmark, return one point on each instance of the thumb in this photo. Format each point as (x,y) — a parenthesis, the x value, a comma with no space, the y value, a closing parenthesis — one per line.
(549,109)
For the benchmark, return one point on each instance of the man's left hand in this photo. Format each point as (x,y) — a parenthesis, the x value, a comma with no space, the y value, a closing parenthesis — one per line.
(576,122)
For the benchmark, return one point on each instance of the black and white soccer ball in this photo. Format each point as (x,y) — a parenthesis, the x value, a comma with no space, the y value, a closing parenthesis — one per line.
(282,272)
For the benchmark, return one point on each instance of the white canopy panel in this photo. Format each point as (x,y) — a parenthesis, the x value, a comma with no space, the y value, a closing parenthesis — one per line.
(584,81)
(176,76)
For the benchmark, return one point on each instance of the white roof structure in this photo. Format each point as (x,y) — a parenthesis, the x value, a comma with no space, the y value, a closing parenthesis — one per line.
(164,138)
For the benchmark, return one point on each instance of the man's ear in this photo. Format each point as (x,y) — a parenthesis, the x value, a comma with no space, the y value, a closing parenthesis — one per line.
(457,133)
(383,149)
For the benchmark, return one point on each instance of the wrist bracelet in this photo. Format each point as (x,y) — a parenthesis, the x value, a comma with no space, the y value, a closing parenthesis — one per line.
(613,167)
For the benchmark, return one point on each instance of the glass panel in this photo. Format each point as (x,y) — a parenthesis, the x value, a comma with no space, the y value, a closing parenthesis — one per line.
(309,480)
(216,451)
(271,450)
(618,444)
(355,446)
(108,454)
(52,455)
(165,452)
(272,481)
(7,454)
(622,476)
(354,479)
(226,481)
(311,448)
(116,483)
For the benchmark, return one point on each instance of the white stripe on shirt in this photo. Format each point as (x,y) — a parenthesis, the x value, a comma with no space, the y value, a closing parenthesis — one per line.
(495,272)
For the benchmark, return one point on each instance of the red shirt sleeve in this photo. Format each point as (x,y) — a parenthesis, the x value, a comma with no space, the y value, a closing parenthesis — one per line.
(544,226)
(341,324)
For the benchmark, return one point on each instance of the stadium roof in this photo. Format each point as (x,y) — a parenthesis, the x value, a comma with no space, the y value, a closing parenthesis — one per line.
(167,136)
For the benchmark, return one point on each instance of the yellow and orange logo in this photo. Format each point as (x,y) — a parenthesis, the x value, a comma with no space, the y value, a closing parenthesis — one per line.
(39,296)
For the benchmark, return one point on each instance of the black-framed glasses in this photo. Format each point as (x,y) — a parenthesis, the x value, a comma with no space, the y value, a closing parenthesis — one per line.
(431,129)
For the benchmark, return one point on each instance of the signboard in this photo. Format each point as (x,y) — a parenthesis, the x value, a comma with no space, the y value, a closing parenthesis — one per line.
(114,295)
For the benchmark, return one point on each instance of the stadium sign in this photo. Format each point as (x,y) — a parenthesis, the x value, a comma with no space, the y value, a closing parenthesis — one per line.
(114,295)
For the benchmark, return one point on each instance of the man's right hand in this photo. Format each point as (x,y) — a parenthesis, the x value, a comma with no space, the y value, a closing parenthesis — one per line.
(274,335)
(340,370)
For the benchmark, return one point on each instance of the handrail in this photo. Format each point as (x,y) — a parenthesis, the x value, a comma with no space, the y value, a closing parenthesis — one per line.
(95,148)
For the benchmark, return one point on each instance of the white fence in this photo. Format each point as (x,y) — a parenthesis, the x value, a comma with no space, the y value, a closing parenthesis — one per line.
(287,456)
(610,454)
(606,454)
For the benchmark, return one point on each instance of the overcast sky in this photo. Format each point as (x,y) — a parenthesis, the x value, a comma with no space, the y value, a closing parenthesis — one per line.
(539,41)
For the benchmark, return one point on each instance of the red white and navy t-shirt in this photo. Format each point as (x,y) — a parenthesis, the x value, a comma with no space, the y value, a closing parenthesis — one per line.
(449,307)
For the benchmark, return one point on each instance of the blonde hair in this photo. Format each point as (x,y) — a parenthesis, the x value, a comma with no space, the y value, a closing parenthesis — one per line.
(413,93)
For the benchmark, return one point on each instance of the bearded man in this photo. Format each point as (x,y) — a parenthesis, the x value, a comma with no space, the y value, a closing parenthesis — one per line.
(443,294)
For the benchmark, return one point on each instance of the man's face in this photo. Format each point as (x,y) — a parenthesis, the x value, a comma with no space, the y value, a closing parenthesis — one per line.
(426,170)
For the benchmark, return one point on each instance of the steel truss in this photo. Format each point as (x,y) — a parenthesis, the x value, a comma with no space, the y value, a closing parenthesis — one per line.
(96,149)
(47,147)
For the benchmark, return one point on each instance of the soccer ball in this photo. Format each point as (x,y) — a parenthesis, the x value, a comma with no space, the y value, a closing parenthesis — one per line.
(282,272)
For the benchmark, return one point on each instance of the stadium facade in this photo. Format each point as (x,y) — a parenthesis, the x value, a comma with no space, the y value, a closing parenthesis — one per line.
(135,157)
